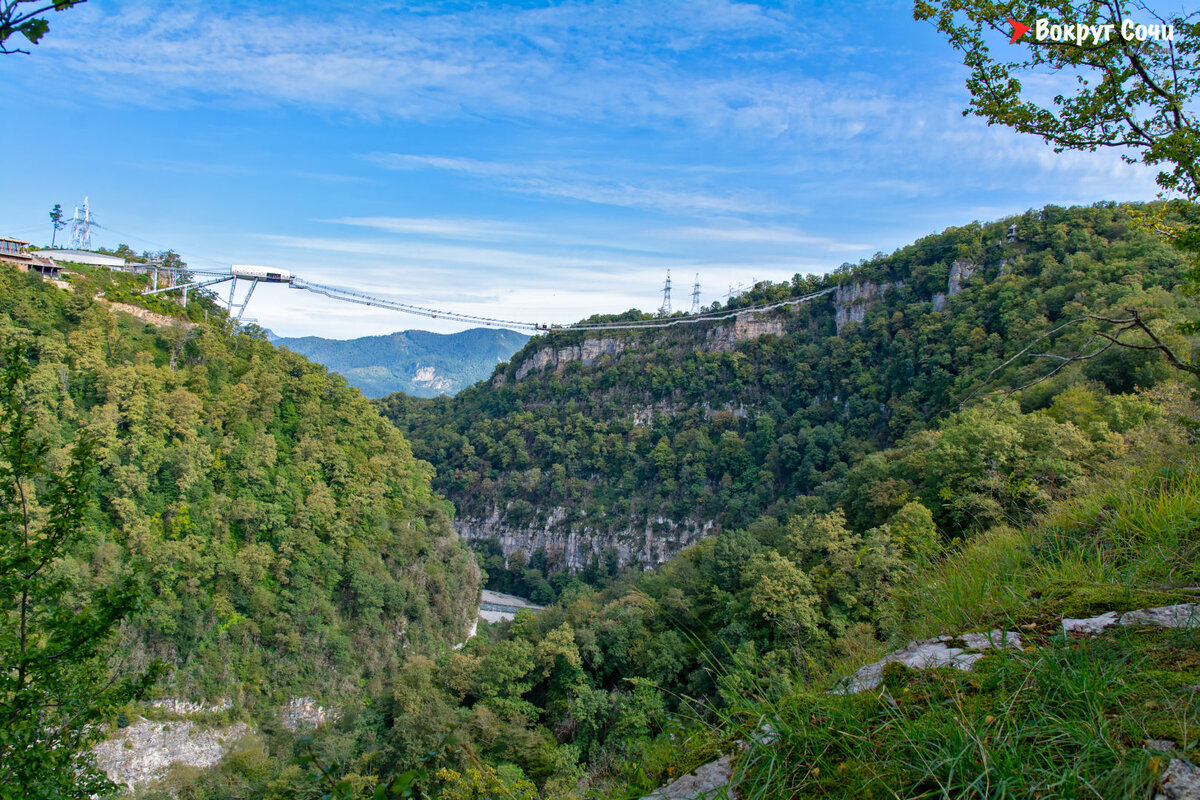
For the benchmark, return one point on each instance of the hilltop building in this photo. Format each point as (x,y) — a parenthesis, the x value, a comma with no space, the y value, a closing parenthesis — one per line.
(16,251)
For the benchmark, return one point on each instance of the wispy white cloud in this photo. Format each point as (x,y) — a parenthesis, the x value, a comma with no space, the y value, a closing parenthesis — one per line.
(565,180)
(467,229)
(762,235)
(649,63)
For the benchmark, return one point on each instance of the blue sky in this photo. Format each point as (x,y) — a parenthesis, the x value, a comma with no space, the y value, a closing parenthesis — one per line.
(539,161)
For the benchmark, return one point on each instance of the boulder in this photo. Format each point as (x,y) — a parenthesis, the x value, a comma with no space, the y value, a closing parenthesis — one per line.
(941,651)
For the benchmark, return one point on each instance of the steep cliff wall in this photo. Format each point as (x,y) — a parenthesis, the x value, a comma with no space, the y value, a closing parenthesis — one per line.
(573,546)
(852,301)
(716,339)
(589,352)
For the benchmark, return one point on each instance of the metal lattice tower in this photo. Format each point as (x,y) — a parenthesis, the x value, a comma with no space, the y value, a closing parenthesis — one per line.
(666,306)
(696,295)
(81,227)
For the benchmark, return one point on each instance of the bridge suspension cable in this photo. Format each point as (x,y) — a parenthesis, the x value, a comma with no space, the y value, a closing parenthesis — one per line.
(362,298)
(349,296)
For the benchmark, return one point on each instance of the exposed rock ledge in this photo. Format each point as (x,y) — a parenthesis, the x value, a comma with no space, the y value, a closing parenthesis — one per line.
(704,782)
(960,652)
(656,542)
(145,751)
(1184,615)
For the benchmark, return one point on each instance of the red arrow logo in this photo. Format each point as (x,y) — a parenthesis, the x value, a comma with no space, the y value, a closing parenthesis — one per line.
(1019,30)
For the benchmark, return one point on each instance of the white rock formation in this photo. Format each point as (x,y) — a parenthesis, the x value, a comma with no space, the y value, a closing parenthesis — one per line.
(940,651)
(142,753)
(960,272)
(705,782)
(304,712)
(1180,781)
(1183,615)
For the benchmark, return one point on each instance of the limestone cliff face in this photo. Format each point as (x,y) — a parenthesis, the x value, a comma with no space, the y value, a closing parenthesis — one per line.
(852,301)
(589,352)
(592,349)
(744,328)
(137,756)
(960,272)
(652,543)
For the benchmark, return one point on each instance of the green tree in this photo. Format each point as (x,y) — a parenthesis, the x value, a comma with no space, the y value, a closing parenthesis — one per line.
(16,16)
(56,687)
(56,223)
(1115,89)
(1130,94)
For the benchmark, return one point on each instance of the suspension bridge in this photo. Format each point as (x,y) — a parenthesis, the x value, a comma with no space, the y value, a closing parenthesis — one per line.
(254,275)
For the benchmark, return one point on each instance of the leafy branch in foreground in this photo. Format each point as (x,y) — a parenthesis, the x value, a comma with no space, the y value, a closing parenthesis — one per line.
(1120,92)
(1108,338)
(27,22)
(56,685)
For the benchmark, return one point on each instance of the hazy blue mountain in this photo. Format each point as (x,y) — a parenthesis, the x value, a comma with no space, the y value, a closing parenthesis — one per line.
(419,363)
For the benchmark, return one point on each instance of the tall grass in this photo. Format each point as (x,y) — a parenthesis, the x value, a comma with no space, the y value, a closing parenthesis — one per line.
(1065,717)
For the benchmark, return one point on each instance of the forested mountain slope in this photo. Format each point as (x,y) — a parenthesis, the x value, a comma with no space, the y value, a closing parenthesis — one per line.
(287,540)
(419,363)
(630,445)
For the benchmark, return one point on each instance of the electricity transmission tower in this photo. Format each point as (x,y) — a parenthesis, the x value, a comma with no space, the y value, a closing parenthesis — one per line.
(696,295)
(666,305)
(81,227)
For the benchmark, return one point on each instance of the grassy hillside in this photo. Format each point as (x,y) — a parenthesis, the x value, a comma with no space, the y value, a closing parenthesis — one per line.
(418,363)
(287,540)
(1069,716)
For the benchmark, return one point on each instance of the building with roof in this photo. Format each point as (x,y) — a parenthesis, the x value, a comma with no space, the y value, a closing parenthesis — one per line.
(16,251)
(83,257)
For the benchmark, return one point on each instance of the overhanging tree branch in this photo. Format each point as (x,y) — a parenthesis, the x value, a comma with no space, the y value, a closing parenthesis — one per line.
(17,17)
(1111,339)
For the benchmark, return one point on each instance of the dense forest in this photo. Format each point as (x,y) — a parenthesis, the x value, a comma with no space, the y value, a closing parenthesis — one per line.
(673,429)
(289,541)
(1087,505)
(1073,497)
(286,540)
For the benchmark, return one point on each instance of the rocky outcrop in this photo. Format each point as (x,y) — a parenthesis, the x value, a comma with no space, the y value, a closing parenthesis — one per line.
(588,352)
(428,378)
(960,652)
(142,753)
(1179,781)
(718,339)
(960,272)
(707,781)
(852,301)
(1184,615)
(744,328)
(186,708)
(304,712)
(653,543)
(146,315)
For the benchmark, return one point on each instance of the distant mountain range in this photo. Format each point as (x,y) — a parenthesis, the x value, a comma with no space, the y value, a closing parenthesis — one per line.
(419,363)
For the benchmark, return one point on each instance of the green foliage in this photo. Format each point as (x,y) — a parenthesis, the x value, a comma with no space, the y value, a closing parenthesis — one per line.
(287,541)
(1117,92)
(1071,717)
(675,428)
(56,635)
(16,16)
